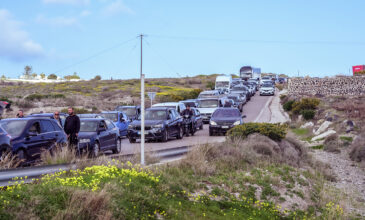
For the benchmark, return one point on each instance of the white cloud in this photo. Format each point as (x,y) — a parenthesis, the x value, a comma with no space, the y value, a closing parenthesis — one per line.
(15,43)
(85,13)
(68,2)
(57,21)
(116,7)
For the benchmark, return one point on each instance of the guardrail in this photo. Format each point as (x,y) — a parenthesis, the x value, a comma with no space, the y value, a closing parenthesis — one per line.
(28,174)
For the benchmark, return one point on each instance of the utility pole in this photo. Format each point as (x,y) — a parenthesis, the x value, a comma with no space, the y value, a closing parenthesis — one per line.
(142,109)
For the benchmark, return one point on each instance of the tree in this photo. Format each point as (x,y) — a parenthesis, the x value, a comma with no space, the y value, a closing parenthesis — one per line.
(34,75)
(97,77)
(43,76)
(28,70)
(3,77)
(74,76)
(52,76)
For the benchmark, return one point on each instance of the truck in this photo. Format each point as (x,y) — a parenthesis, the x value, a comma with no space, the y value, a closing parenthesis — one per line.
(358,70)
(249,72)
(223,83)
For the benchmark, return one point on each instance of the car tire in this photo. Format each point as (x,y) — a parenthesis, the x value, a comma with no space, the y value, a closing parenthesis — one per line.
(201,126)
(165,136)
(180,135)
(96,150)
(132,140)
(118,147)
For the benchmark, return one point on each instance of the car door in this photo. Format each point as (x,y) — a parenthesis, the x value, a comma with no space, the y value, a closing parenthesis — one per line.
(34,140)
(112,131)
(124,122)
(104,136)
(198,118)
(49,133)
(171,122)
(176,117)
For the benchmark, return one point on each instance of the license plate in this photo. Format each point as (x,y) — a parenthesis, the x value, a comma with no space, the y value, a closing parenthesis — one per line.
(139,133)
(224,126)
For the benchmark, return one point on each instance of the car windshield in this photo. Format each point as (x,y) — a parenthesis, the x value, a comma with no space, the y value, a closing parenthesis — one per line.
(208,104)
(239,88)
(266,86)
(205,95)
(128,111)
(224,113)
(88,126)
(221,84)
(110,116)
(155,115)
(14,128)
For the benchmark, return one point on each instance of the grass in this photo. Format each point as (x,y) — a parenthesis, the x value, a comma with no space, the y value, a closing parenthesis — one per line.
(300,131)
(346,139)
(213,182)
(317,147)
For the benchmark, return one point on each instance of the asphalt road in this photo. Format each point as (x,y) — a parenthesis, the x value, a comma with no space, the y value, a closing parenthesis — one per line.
(255,110)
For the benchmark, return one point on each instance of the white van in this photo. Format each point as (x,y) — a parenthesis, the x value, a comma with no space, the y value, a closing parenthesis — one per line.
(223,83)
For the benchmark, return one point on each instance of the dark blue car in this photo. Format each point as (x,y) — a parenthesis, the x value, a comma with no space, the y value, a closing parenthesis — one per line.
(98,134)
(120,119)
(4,142)
(133,112)
(63,116)
(30,136)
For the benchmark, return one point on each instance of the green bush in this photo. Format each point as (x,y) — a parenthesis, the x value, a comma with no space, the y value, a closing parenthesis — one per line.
(308,114)
(37,96)
(5,99)
(305,104)
(179,95)
(288,105)
(274,131)
(210,85)
(282,96)
(77,111)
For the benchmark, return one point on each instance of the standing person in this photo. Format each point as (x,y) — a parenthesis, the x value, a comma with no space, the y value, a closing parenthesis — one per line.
(56,116)
(72,126)
(20,114)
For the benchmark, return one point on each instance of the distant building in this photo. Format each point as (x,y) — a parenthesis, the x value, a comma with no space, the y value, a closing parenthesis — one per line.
(359,69)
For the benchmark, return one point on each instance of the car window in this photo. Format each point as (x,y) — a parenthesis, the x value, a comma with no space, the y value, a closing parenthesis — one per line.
(197,112)
(35,128)
(47,126)
(109,124)
(171,114)
(14,128)
(102,125)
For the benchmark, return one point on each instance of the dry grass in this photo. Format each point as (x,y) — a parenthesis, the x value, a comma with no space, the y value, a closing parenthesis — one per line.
(332,144)
(8,161)
(86,205)
(59,155)
(357,152)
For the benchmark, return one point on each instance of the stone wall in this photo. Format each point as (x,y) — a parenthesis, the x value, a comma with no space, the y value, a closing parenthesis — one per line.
(333,86)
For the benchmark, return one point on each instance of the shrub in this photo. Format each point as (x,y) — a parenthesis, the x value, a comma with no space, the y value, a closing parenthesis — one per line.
(357,152)
(77,110)
(283,97)
(210,85)
(274,131)
(332,144)
(6,99)
(288,105)
(305,104)
(308,114)
(37,96)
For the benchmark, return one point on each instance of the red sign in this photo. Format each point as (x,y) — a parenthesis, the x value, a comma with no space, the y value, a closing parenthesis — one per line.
(358,68)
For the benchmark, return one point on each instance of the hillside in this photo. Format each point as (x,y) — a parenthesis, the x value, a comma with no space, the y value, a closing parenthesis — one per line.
(97,95)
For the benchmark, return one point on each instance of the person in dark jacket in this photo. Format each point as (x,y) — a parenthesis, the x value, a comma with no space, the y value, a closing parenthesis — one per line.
(227,104)
(72,126)
(20,114)
(187,111)
(56,116)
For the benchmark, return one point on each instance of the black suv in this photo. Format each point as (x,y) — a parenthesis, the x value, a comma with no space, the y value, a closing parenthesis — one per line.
(133,112)
(29,136)
(161,123)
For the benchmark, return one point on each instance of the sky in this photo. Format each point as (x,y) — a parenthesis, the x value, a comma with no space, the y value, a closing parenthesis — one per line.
(182,38)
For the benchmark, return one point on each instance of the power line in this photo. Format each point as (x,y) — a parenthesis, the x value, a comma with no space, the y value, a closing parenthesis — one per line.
(256,41)
(164,60)
(95,55)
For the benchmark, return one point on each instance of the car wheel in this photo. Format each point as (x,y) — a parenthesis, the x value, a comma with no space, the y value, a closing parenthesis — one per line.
(180,135)
(201,126)
(96,150)
(118,147)
(165,136)
(132,140)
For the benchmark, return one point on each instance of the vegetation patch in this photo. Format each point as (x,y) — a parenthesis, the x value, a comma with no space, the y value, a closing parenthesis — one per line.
(273,131)
(37,96)
(317,147)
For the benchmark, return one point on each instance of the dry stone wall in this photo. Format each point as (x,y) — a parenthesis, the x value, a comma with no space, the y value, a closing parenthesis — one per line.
(333,86)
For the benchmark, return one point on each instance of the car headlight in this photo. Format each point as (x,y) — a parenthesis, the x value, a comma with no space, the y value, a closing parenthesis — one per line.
(237,123)
(158,126)
(213,123)
(84,141)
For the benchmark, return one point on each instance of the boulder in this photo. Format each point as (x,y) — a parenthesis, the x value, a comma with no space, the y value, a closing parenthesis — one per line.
(324,135)
(307,125)
(324,126)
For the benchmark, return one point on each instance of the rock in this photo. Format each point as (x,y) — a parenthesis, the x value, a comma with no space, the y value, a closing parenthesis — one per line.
(320,121)
(324,135)
(307,125)
(323,127)
(349,129)
(329,119)
(350,123)
(300,118)
(335,117)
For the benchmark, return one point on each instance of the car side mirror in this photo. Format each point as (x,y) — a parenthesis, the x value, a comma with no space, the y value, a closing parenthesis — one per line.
(244,116)
(32,134)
